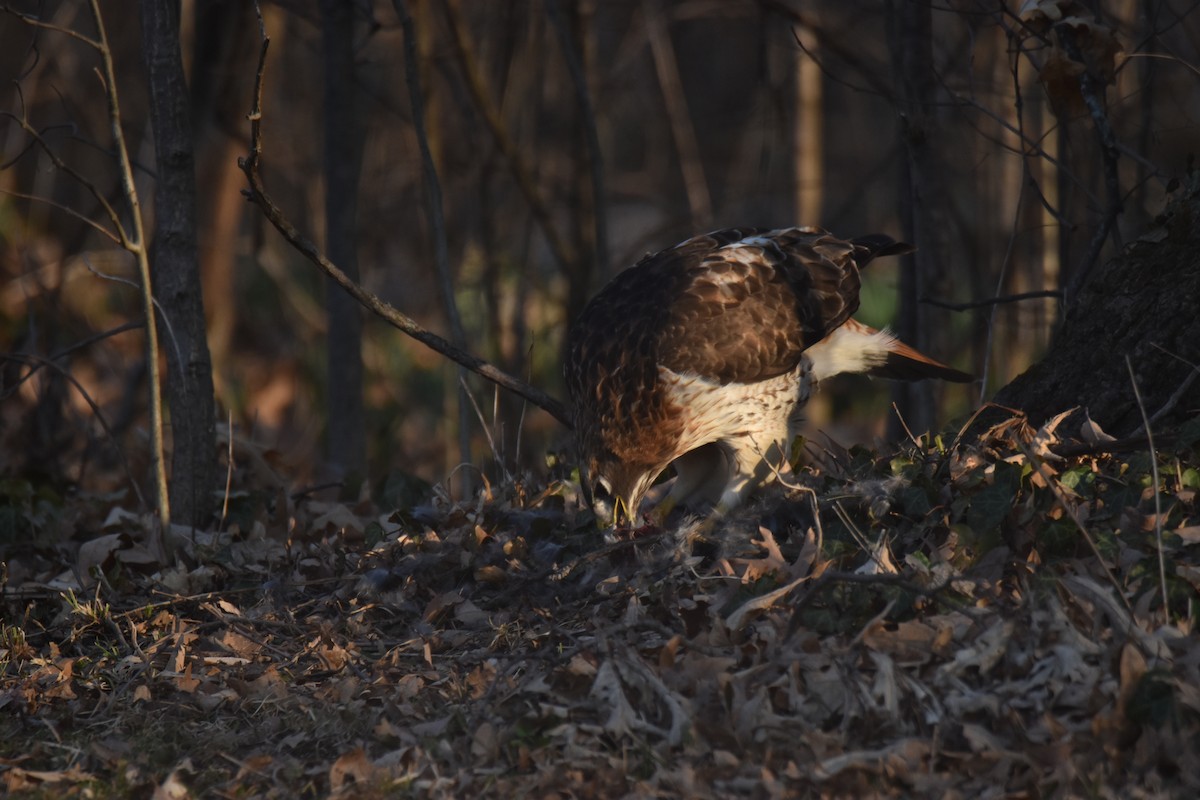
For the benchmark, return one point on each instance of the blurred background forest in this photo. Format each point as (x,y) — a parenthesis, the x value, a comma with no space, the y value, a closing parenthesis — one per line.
(570,138)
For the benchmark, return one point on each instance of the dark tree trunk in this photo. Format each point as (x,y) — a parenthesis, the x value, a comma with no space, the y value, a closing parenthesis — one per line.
(343,162)
(176,272)
(922,193)
(1144,304)
(224,44)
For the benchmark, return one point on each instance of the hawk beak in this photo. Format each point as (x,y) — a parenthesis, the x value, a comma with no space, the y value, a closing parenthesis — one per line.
(622,514)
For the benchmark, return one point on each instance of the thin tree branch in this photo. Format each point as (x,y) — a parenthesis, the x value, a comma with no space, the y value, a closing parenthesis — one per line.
(36,362)
(992,301)
(1008,252)
(257,193)
(29,19)
(1181,391)
(137,245)
(121,235)
(1158,517)
(162,313)
(66,351)
(66,210)
(1033,145)
(835,45)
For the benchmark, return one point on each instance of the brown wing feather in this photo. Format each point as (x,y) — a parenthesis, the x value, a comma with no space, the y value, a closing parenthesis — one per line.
(752,305)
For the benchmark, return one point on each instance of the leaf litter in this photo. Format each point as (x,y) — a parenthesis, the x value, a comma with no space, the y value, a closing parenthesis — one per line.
(974,618)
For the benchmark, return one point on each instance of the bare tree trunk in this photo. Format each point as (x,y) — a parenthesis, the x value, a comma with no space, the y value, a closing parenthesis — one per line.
(922,193)
(177,272)
(224,43)
(347,446)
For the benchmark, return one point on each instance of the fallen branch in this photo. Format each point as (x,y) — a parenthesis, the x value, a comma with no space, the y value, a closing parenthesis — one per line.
(257,194)
(1125,445)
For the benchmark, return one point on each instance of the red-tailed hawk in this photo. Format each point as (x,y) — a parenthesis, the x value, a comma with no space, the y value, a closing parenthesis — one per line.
(703,355)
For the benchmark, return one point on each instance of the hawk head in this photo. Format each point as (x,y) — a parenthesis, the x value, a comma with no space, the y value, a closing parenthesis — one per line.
(617,488)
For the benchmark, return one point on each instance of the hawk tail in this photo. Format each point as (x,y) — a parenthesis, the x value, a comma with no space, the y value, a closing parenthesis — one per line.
(878,245)
(855,347)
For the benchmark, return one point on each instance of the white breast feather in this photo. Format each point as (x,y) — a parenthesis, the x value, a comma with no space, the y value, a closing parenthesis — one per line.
(765,409)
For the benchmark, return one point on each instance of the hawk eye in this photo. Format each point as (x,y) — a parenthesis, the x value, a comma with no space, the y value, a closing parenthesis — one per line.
(602,501)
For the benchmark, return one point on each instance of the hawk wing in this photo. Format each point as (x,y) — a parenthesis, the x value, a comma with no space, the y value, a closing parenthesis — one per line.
(749,302)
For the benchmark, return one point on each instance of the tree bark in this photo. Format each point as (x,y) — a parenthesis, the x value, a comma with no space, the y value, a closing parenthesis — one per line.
(343,163)
(176,272)
(1141,305)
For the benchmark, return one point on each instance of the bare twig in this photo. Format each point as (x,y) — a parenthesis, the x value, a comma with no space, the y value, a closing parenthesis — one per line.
(118,232)
(1158,532)
(1034,147)
(66,351)
(1165,57)
(258,195)
(35,362)
(992,301)
(228,474)
(136,244)
(65,209)
(1125,445)
(487,430)
(1180,392)
(839,46)
(36,22)
(166,320)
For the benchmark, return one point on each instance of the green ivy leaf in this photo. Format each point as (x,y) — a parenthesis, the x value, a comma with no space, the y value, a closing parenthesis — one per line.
(991,505)
(1189,434)
(1190,478)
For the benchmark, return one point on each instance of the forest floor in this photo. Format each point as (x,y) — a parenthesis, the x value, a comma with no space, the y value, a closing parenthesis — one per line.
(956,619)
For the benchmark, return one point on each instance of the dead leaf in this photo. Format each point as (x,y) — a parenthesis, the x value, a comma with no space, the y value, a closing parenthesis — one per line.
(909,642)
(485,743)
(1092,433)
(353,766)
